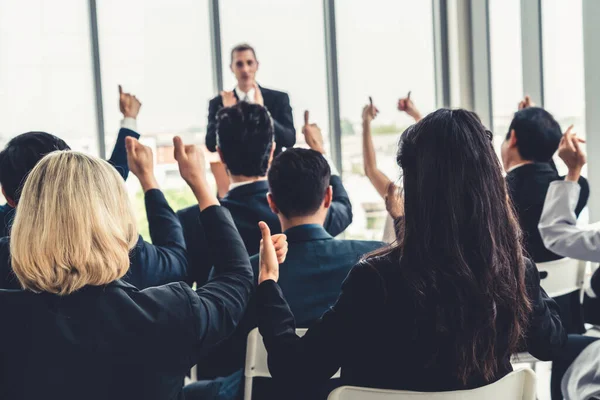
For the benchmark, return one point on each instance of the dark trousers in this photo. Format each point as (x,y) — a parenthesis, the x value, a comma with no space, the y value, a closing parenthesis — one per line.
(575,345)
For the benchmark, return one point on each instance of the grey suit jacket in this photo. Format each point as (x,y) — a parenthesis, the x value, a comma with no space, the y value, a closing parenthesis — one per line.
(558,224)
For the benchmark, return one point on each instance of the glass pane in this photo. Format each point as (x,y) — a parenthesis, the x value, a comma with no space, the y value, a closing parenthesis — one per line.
(374,60)
(506,64)
(564,92)
(158,50)
(46,78)
(288,37)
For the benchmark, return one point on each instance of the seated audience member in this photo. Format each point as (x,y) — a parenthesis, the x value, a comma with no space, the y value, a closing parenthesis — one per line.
(558,226)
(245,145)
(384,185)
(444,308)
(16,164)
(154,264)
(77,321)
(527,151)
(316,263)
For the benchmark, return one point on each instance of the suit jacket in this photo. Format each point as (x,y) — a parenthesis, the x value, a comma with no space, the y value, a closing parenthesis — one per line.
(378,338)
(248,206)
(527,186)
(117,342)
(311,277)
(154,264)
(118,159)
(278,104)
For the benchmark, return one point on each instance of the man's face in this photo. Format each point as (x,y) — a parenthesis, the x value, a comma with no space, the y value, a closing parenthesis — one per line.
(244,66)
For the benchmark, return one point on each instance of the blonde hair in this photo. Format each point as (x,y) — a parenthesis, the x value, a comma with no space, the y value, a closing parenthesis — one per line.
(74,225)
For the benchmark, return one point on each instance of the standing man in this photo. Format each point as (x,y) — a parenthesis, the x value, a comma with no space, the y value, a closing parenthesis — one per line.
(245,65)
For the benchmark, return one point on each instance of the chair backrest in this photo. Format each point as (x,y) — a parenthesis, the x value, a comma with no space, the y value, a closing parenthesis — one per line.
(561,276)
(518,385)
(256,355)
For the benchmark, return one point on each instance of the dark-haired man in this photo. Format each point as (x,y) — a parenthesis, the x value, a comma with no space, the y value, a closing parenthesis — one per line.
(244,65)
(166,255)
(532,140)
(245,146)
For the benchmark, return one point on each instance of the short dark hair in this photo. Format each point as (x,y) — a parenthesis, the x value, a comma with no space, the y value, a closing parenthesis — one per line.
(298,180)
(538,134)
(242,47)
(19,157)
(245,137)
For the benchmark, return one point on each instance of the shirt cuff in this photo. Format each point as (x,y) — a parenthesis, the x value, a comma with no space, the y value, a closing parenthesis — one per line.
(129,123)
(332,167)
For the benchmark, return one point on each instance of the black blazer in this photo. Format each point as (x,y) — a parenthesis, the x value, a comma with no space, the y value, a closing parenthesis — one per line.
(379,339)
(118,159)
(117,342)
(248,206)
(152,264)
(278,104)
(528,186)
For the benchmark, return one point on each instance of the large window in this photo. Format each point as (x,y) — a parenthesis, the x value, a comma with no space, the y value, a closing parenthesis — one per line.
(288,37)
(160,51)
(385,50)
(506,64)
(46,80)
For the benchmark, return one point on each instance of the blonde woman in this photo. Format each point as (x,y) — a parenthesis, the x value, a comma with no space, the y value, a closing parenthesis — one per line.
(80,330)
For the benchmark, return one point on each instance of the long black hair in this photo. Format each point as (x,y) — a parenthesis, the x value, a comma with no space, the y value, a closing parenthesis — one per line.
(459,246)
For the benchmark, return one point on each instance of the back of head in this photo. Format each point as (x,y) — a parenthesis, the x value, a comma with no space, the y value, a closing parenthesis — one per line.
(74,227)
(538,134)
(298,180)
(245,138)
(19,157)
(460,251)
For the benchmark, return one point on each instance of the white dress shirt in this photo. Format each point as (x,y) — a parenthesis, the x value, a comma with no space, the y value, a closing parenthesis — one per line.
(243,96)
(129,123)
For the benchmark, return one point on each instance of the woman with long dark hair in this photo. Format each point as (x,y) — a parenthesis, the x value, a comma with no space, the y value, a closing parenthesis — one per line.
(446,305)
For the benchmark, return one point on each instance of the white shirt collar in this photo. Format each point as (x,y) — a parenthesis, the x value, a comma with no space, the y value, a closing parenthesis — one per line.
(238,184)
(517,166)
(249,96)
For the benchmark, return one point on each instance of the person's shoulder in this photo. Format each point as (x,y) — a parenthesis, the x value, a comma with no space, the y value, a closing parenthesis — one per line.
(215,100)
(176,294)
(188,212)
(273,92)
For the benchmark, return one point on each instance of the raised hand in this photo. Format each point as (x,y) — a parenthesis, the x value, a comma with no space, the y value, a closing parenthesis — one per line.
(258,97)
(570,151)
(394,203)
(312,135)
(141,163)
(406,104)
(268,255)
(228,99)
(128,104)
(369,112)
(191,167)
(526,103)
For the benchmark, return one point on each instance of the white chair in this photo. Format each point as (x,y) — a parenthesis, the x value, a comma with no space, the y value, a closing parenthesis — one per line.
(518,385)
(256,360)
(561,276)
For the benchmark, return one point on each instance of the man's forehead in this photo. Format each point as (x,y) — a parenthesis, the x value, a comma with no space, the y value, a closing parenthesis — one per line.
(243,55)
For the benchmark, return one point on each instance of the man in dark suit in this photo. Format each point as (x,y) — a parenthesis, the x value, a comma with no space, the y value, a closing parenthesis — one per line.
(155,264)
(316,264)
(532,140)
(245,65)
(245,145)
(14,167)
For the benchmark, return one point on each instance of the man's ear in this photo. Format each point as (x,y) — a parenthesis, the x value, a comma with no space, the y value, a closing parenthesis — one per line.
(272,204)
(10,201)
(220,155)
(512,139)
(328,197)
